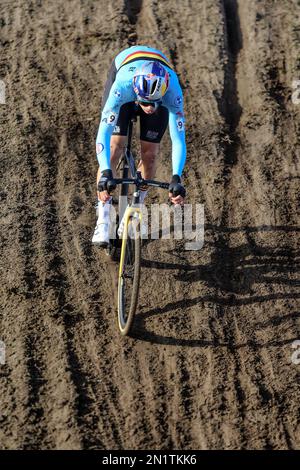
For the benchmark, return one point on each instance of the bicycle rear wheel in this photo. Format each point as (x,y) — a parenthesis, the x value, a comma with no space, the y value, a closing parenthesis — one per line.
(129,277)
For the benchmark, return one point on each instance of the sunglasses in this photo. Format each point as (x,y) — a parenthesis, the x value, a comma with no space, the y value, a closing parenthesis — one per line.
(146,103)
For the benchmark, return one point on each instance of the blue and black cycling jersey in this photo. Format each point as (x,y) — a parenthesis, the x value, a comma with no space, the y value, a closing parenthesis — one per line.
(121,91)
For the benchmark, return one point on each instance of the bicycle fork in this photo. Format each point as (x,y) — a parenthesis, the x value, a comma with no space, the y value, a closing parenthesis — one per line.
(134,212)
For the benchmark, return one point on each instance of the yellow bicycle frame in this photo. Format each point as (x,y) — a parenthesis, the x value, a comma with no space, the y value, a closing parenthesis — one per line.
(128,213)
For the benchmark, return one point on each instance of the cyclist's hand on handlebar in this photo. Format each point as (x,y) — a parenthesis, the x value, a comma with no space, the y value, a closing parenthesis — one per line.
(106,185)
(176,191)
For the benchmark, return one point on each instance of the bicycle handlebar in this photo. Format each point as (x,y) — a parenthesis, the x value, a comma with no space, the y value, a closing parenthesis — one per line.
(141,182)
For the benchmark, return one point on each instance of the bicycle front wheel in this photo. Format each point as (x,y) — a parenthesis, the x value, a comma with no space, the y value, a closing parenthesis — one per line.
(129,276)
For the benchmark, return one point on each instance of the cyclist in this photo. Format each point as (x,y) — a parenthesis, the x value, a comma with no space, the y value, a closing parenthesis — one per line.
(140,82)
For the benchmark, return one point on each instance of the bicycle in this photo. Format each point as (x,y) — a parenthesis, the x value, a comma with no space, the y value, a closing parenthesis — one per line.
(130,214)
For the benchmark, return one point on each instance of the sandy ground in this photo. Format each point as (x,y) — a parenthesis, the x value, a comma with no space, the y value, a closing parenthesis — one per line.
(209,364)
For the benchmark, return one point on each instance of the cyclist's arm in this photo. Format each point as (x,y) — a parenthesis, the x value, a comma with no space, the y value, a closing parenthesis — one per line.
(177,133)
(173,100)
(117,97)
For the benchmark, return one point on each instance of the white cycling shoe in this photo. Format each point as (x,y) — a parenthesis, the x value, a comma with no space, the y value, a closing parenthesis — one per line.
(101,235)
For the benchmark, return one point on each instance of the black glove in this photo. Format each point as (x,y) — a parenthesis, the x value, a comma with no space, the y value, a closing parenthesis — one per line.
(176,188)
(106,182)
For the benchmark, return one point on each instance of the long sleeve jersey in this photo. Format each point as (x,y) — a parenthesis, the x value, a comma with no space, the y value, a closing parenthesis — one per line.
(127,63)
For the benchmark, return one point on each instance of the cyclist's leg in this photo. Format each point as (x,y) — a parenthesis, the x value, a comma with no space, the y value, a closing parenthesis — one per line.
(117,144)
(119,137)
(153,127)
(101,234)
(149,154)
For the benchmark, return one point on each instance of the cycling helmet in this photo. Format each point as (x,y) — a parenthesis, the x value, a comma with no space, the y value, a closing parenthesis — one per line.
(151,82)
